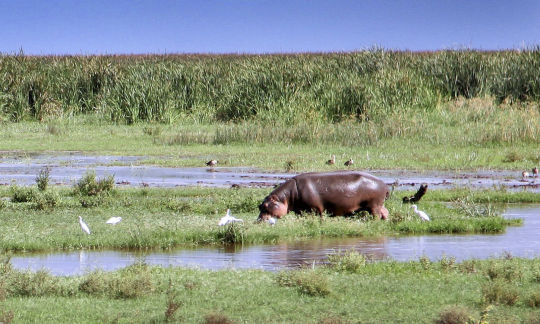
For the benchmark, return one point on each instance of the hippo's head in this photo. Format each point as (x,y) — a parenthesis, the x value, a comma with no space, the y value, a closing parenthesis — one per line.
(272,207)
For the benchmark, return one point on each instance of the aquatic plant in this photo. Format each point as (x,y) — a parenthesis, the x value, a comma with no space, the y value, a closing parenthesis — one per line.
(42,179)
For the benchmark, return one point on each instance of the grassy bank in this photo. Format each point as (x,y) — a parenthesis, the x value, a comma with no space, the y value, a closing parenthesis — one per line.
(351,289)
(446,139)
(165,218)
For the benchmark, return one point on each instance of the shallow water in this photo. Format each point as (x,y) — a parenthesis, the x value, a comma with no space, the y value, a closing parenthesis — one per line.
(67,168)
(520,241)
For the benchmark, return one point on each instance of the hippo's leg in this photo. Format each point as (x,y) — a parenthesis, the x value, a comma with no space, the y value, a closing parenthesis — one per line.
(380,211)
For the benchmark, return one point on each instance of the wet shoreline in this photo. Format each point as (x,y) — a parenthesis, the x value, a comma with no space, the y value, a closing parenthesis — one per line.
(65,169)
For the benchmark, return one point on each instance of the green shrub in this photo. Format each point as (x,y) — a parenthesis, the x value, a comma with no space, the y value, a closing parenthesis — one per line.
(22,194)
(350,261)
(95,283)
(454,315)
(42,179)
(503,270)
(216,318)
(90,186)
(232,233)
(499,292)
(534,299)
(306,282)
(47,200)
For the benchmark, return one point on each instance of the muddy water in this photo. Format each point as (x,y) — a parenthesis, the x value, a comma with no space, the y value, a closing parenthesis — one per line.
(66,169)
(521,241)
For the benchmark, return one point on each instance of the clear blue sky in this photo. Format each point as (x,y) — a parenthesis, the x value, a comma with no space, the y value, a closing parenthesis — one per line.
(260,26)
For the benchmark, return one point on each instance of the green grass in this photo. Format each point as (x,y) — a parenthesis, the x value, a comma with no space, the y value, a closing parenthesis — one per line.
(331,87)
(166,218)
(375,292)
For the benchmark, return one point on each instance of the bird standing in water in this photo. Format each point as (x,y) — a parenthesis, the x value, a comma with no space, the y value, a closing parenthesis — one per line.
(420,213)
(535,172)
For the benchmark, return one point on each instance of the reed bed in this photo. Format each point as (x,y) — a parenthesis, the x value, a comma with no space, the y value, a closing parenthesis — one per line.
(369,85)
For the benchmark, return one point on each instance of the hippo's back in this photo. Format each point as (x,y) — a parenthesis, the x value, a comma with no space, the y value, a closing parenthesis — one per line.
(340,185)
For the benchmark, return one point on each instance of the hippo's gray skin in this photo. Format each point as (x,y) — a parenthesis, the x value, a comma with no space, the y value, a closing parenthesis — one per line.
(340,193)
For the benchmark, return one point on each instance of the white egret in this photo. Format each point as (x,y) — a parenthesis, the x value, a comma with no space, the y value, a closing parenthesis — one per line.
(114,220)
(84,226)
(271,221)
(525,174)
(420,213)
(228,219)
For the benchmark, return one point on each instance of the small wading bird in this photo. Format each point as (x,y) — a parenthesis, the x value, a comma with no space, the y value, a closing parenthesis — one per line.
(228,219)
(212,163)
(525,174)
(84,226)
(114,220)
(271,221)
(332,160)
(349,163)
(420,213)
(535,172)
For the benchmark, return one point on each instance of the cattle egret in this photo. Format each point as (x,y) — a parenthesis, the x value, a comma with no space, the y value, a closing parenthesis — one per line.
(420,213)
(349,163)
(332,160)
(84,226)
(114,220)
(271,221)
(525,174)
(212,163)
(228,219)
(535,172)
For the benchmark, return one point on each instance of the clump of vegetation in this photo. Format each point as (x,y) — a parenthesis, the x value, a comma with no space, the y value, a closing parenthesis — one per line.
(172,304)
(350,261)
(22,194)
(94,284)
(447,263)
(534,299)
(232,233)
(454,315)
(425,262)
(217,318)
(6,316)
(89,185)
(133,282)
(500,292)
(289,166)
(508,271)
(46,200)
(468,207)
(307,282)
(42,179)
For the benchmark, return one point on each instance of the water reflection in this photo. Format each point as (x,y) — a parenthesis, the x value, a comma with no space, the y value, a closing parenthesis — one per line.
(522,241)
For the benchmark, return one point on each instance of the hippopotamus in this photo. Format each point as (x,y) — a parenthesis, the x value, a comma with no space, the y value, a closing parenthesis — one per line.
(339,193)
